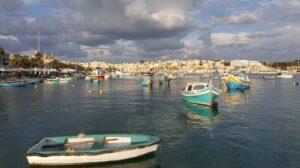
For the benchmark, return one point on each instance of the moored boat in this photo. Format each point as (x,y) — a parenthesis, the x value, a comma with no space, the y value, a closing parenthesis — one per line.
(51,81)
(200,93)
(34,81)
(87,78)
(13,84)
(88,149)
(147,81)
(237,82)
(285,76)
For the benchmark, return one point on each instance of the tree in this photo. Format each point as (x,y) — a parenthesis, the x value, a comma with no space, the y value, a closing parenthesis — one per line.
(19,61)
(37,60)
(3,57)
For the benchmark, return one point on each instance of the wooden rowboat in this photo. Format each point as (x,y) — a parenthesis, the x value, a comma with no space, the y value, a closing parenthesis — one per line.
(74,150)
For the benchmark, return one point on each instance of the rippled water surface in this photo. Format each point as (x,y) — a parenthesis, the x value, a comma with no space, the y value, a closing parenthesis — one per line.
(257,128)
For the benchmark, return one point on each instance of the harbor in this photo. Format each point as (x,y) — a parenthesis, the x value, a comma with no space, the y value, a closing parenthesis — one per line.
(247,126)
(149,84)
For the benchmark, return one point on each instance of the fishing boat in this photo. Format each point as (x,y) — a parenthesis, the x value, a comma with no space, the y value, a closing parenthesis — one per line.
(51,81)
(285,76)
(87,78)
(147,81)
(200,93)
(89,149)
(65,79)
(238,82)
(34,81)
(13,84)
(164,81)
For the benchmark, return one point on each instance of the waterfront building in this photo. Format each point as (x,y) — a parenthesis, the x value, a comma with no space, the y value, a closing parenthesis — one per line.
(294,68)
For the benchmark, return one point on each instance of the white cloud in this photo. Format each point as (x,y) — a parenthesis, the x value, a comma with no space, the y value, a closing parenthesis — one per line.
(229,38)
(237,19)
(169,18)
(100,50)
(10,37)
(192,47)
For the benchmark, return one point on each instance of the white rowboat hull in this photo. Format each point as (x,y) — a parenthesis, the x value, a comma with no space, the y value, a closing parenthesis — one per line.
(89,159)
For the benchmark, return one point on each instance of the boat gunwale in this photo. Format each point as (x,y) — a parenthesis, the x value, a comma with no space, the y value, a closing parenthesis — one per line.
(91,163)
(156,140)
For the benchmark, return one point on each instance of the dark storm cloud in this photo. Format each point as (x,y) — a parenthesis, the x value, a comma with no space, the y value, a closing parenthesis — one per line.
(10,5)
(151,25)
(162,44)
(152,29)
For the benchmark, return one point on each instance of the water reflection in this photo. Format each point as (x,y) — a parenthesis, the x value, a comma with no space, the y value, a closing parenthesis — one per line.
(233,98)
(147,91)
(143,162)
(202,117)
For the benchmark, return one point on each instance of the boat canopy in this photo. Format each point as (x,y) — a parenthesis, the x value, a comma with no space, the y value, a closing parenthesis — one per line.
(196,86)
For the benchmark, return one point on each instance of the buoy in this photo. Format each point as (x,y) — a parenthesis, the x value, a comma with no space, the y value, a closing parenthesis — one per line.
(74,85)
(90,91)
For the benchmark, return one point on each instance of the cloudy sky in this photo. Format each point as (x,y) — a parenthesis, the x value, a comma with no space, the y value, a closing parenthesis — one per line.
(132,30)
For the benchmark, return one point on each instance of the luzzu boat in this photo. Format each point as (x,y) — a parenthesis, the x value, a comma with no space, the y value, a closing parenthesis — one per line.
(52,81)
(89,149)
(237,82)
(147,81)
(13,84)
(34,81)
(200,93)
(285,76)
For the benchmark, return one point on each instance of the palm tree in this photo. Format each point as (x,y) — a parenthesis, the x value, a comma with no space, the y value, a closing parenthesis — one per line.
(38,60)
(3,55)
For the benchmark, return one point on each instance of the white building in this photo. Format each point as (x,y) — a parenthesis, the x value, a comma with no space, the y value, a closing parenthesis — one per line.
(244,63)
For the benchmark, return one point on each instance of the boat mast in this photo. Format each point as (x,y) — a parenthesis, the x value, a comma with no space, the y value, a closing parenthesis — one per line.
(38,48)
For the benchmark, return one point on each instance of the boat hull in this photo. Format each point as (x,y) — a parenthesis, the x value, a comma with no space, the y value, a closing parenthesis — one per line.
(236,86)
(206,99)
(285,76)
(14,84)
(234,83)
(118,155)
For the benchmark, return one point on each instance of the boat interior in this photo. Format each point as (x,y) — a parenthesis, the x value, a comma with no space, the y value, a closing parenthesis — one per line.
(195,87)
(81,144)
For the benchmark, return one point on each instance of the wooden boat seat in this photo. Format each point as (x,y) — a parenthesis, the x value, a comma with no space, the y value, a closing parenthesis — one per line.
(80,140)
(79,143)
(116,142)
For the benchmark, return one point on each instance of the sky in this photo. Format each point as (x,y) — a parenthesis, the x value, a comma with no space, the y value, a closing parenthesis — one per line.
(132,30)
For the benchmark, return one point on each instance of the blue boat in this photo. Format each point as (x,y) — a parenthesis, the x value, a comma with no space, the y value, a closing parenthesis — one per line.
(200,93)
(14,84)
(34,81)
(237,82)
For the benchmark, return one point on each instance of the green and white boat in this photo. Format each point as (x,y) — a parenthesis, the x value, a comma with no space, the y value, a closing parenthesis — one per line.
(200,93)
(89,149)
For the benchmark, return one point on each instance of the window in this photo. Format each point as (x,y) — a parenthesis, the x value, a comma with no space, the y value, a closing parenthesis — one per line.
(199,87)
(190,87)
